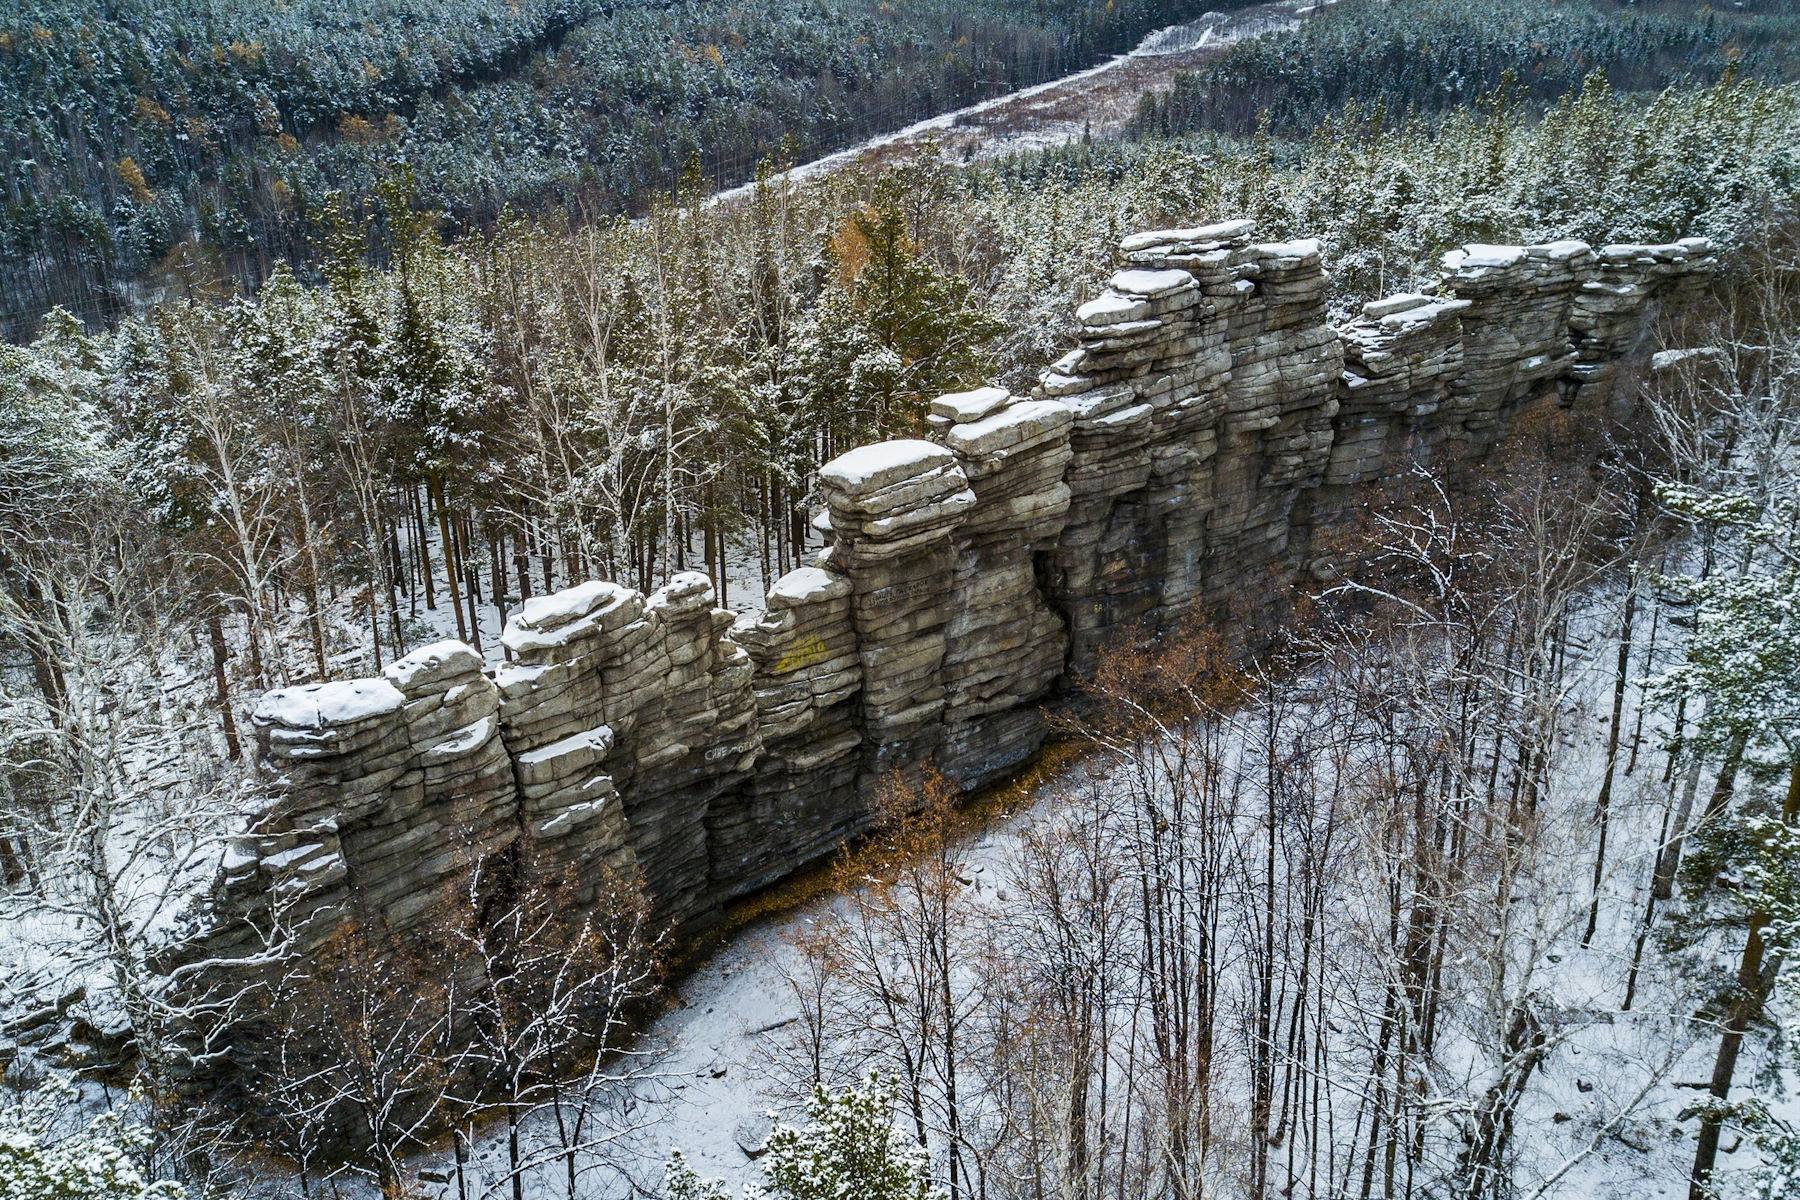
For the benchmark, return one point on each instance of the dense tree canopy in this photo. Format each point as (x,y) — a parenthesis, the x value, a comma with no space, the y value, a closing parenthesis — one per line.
(149,142)
(1430,56)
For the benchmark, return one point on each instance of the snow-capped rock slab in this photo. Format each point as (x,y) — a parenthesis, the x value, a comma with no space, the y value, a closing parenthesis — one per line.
(1028,422)
(1055,383)
(324,705)
(870,468)
(544,613)
(1298,250)
(906,520)
(433,664)
(1388,306)
(1099,402)
(807,585)
(1111,309)
(686,593)
(1423,314)
(1560,251)
(971,405)
(1151,284)
(1479,257)
(596,742)
(1669,360)
(463,741)
(548,622)
(1199,235)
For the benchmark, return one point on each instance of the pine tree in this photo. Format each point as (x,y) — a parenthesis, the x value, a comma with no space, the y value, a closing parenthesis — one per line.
(849,1150)
(1744,658)
(41,1159)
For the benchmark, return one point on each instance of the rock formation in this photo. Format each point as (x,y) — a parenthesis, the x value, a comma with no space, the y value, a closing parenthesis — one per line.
(1203,392)
(403,777)
(801,801)
(627,717)
(1208,421)
(1004,646)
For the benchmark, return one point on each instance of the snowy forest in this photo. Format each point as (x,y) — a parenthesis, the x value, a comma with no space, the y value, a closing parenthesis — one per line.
(1467,869)
(153,144)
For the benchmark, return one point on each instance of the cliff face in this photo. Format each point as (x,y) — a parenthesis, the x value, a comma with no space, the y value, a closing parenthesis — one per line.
(1183,454)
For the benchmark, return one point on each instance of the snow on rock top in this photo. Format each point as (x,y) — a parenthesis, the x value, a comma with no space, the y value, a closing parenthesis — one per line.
(1424,314)
(1479,257)
(970,406)
(1022,424)
(1560,251)
(1302,248)
(542,613)
(1111,309)
(807,585)
(460,742)
(1151,283)
(1388,306)
(1661,252)
(1225,231)
(598,739)
(686,591)
(433,664)
(868,468)
(547,624)
(1099,402)
(318,705)
(1668,360)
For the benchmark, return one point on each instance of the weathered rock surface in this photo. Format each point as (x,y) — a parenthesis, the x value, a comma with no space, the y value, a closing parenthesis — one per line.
(627,717)
(1003,644)
(801,802)
(1182,454)
(1203,393)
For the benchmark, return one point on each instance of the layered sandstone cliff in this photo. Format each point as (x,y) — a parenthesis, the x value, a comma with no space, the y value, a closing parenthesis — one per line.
(1185,452)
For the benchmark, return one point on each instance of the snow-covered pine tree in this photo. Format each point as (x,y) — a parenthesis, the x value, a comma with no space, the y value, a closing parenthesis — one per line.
(849,1150)
(43,1156)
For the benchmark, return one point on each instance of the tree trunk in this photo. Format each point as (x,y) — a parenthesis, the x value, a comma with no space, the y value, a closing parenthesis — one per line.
(549,575)
(1753,984)
(1637,726)
(374,627)
(1726,782)
(512,1151)
(1669,860)
(424,547)
(1744,1007)
(449,548)
(318,629)
(216,635)
(499,568)
(1603,805)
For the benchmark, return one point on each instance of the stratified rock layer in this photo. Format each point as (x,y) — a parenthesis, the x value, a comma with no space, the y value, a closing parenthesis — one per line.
(801,802)
(1182,455)
(628,717)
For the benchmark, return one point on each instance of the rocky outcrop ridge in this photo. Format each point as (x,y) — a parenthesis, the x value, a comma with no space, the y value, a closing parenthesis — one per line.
(1209,421)
(379,793)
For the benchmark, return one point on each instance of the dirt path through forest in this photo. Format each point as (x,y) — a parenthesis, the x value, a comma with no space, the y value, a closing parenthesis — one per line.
(1096,102)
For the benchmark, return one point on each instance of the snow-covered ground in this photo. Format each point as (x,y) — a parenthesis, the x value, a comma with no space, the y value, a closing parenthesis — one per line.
(712,1085)
(1603,1117)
